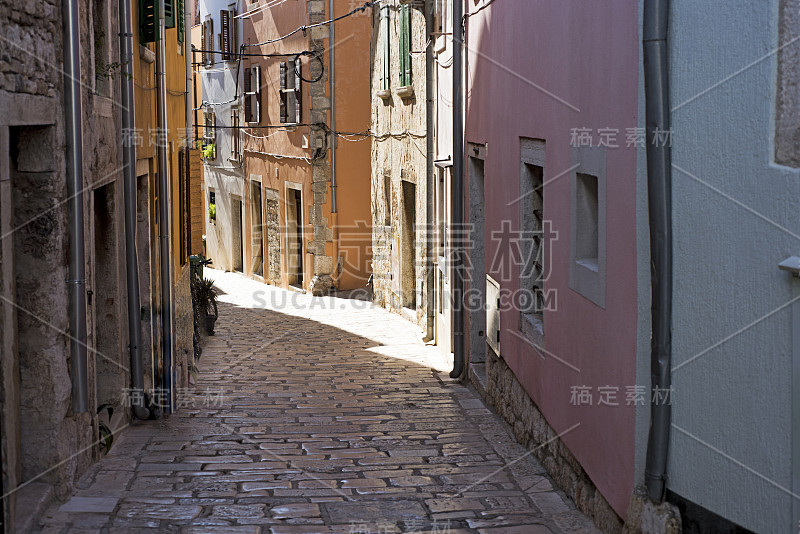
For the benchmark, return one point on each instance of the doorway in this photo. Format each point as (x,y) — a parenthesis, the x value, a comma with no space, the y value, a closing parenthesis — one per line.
(105,301)
(443,298)
(477,272)
(294,236)
(256,229)
(145,236)
(408,245)
(237,248)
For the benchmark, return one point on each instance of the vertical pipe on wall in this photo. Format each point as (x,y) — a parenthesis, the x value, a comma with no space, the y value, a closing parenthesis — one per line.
(659,192)
(430,206)
(129,188)
(457,193)
(77,268)
(334,139)
(164,213)
(187,50)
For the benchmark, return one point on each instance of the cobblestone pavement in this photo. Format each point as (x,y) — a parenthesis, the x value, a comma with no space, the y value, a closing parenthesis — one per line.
(317,415)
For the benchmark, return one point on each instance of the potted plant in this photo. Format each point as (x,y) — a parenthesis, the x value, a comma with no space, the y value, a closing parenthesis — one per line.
(204,296)
(209,152)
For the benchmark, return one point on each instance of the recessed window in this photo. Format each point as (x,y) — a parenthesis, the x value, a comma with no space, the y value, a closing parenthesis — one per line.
(587,272)
(586,220)
(387,200)
(533,270)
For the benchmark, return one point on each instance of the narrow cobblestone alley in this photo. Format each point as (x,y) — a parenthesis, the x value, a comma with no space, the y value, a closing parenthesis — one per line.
(317,415)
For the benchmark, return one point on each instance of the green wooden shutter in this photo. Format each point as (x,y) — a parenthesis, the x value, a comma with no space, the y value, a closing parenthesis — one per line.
(405,45)
(169,13)
(148,21)
(248,102)
(384,28)
(181,20)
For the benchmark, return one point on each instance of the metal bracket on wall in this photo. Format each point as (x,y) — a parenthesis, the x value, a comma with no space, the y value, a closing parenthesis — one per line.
(792,265)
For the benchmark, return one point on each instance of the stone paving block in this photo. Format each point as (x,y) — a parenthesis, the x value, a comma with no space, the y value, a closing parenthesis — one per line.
(295,510)
(374,511)
(89,505)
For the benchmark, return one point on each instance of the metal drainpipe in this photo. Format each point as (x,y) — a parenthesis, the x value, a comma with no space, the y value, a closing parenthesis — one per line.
(129,187)
(659,192)
(457,192)
(164,215)
(76,282)
(334,139)
(187,50)
(429,170)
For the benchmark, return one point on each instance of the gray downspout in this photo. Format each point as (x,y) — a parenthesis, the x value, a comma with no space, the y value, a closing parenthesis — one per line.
(164,215)
(457,192)
(334,222)
(334,137)
(659,193)
(76,279)
(187,50)
(129,188)
(429,170)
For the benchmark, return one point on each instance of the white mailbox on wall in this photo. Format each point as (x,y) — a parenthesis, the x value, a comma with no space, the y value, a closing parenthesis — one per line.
(493,314)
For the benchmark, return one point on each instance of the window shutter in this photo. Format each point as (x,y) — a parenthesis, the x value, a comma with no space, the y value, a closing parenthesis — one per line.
(181,19)
(405,45)
(234,41)
(225,22)
(248,95)
(284,95)
(210,41)
(203,44)
(257,90)
(213,125)
(385,72)
(169,13)
(148,21)
(298,91)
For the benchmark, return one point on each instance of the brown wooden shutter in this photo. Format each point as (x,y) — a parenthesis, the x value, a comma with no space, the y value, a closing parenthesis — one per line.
(234,43)
(284,95)
(210,41)
(203,44)
(225,22)
(248,97)
(298,91)
(257,90)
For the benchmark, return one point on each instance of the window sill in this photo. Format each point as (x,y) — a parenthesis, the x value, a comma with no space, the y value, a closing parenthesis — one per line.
(532,328)
(384,94)
(146,55)
(406,91)
(589,263)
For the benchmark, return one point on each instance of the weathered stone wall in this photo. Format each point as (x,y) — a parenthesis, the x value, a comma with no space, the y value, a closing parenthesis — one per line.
(31,43)
(320,141)
(41,435)
(399,153)
(512,403)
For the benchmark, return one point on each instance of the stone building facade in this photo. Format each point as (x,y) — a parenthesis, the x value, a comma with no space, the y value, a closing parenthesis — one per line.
(282,209)
(45,445)
(400,213)
(43,441)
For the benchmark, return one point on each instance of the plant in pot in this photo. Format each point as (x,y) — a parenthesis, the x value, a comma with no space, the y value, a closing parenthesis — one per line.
(204,296)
